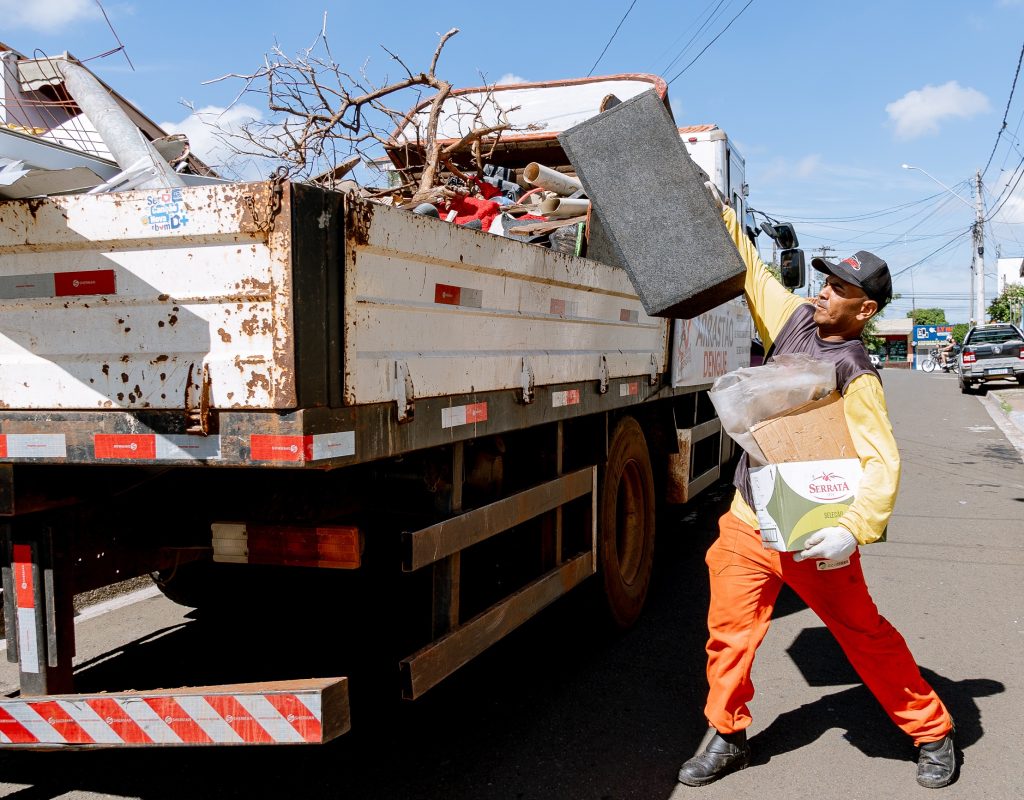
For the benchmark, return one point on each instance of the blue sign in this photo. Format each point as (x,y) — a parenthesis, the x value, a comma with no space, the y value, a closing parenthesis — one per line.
(932,333)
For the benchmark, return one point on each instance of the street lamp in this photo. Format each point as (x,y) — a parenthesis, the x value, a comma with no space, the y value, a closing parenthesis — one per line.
(978,256)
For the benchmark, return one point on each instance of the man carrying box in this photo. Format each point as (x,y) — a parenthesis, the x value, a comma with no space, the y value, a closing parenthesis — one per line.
(826,574)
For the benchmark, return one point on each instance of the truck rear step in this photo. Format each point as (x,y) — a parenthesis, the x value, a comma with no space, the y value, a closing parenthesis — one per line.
(311,711)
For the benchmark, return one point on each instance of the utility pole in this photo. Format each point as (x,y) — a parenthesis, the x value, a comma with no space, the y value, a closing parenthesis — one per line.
(978,264)
(823,252)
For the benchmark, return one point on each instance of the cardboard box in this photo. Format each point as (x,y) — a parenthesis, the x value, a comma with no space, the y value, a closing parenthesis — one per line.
(794,499)
(813,472)
(815,430)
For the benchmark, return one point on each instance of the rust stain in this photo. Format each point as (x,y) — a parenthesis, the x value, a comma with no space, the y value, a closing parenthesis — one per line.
(242,363)
(257,381)
(254,286)
(158,359)
(358,218)
(173,320)
(160,323)
(125,358)
(163,297)
(251,325)
(124,377)
(120,396)
(224,335)
(105,369)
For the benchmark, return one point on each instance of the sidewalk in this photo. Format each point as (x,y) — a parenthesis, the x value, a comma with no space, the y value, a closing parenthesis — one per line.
(1006,407)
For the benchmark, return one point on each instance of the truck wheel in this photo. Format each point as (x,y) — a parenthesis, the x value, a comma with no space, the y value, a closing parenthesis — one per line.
(625,551)
(965,387)
(201,584)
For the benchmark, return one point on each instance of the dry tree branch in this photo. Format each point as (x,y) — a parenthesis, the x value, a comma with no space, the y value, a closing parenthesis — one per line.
(324,121)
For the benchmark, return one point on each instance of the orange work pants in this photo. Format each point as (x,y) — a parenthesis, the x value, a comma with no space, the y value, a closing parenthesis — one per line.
(745,581)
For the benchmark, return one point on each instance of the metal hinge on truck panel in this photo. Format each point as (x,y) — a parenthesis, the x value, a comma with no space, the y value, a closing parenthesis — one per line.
(197,401)
(402,390)
(526,382)
(654,370)
(602,386)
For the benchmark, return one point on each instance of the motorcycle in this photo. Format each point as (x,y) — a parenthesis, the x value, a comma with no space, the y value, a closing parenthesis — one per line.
(934,362)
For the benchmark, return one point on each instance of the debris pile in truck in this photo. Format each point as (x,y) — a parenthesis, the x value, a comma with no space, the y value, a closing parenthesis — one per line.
(64,131)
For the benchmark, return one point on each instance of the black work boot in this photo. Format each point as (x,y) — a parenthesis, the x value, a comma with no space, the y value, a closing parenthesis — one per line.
(936,763)
(725,753)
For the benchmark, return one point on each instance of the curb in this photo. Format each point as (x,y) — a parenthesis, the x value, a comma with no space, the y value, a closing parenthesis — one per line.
(1008,425)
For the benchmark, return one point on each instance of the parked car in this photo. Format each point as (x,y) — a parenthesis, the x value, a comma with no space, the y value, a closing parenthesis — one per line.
(991,353)
(876,362)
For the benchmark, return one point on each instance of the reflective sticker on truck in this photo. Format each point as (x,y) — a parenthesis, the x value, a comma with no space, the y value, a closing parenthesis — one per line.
(81,283)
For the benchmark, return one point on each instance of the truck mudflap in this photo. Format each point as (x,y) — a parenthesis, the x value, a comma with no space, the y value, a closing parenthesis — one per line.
(311,711)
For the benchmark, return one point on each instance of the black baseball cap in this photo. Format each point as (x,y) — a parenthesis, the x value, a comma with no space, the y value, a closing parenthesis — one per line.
(864,270)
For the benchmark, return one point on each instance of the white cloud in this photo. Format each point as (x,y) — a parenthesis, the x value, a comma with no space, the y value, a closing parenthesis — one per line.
(510,77)
(46,15)
(919,112)
(210,131)
(808,166)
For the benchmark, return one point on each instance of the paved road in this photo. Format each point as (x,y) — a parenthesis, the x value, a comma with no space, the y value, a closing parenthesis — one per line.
(557,711)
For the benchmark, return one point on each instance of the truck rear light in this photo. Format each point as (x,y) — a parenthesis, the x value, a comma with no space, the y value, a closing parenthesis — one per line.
(326,546)
(969,357)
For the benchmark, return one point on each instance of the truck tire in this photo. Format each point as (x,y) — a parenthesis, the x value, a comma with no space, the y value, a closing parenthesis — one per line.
(965,386)
(202,584)
(625,550)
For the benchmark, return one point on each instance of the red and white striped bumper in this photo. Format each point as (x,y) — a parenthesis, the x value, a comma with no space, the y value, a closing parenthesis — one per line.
(280,712)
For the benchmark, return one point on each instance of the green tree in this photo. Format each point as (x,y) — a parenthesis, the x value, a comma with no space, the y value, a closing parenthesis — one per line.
(1007,307)
(928,316)
(960,331)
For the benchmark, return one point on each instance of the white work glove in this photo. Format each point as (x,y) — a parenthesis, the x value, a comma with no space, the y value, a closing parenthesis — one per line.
(831,544)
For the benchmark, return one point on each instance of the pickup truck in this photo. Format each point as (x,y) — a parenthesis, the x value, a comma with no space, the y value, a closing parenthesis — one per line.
(991,353)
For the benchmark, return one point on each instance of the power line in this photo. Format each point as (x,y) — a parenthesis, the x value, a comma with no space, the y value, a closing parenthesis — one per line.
(1006,113)
(712,17)
(614,33)
(694,61)
(934,252)
(867,215)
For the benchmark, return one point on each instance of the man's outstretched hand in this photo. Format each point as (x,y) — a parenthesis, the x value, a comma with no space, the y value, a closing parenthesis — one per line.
(831,544)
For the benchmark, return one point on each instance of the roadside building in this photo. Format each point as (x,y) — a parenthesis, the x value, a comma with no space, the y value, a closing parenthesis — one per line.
(897,347)
(1009,271)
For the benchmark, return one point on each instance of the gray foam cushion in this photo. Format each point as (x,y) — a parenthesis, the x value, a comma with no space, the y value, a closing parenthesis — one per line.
(653,209)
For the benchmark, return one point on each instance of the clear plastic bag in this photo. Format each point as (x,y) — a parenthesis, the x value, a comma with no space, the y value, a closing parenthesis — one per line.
(749,395)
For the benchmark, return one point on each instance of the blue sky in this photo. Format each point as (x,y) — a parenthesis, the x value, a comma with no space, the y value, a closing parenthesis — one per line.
(825,100)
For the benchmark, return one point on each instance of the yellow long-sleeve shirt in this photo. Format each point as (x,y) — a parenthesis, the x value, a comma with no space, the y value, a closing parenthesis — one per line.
(864,401)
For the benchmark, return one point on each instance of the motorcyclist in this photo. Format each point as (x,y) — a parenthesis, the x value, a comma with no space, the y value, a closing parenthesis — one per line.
(946,351)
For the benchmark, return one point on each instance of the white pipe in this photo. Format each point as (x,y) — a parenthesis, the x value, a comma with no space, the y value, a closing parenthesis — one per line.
(538,175)
(564,207)
(121,136)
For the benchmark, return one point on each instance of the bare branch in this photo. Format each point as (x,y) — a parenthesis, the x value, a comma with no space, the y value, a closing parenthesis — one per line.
(440,47)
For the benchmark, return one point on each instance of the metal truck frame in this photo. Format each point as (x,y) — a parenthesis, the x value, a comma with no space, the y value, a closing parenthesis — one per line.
(311,381)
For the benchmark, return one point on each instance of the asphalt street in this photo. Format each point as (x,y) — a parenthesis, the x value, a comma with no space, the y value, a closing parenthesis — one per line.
(561,710)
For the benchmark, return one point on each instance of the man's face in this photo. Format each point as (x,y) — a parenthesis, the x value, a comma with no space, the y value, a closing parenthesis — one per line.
(841,309)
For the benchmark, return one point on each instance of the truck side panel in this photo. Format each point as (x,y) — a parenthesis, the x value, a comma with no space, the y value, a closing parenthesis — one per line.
(462,310)
(123,300)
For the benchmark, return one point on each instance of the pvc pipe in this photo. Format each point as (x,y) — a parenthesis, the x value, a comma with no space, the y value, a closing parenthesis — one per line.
(564,207)
(121,136)
(538,175)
